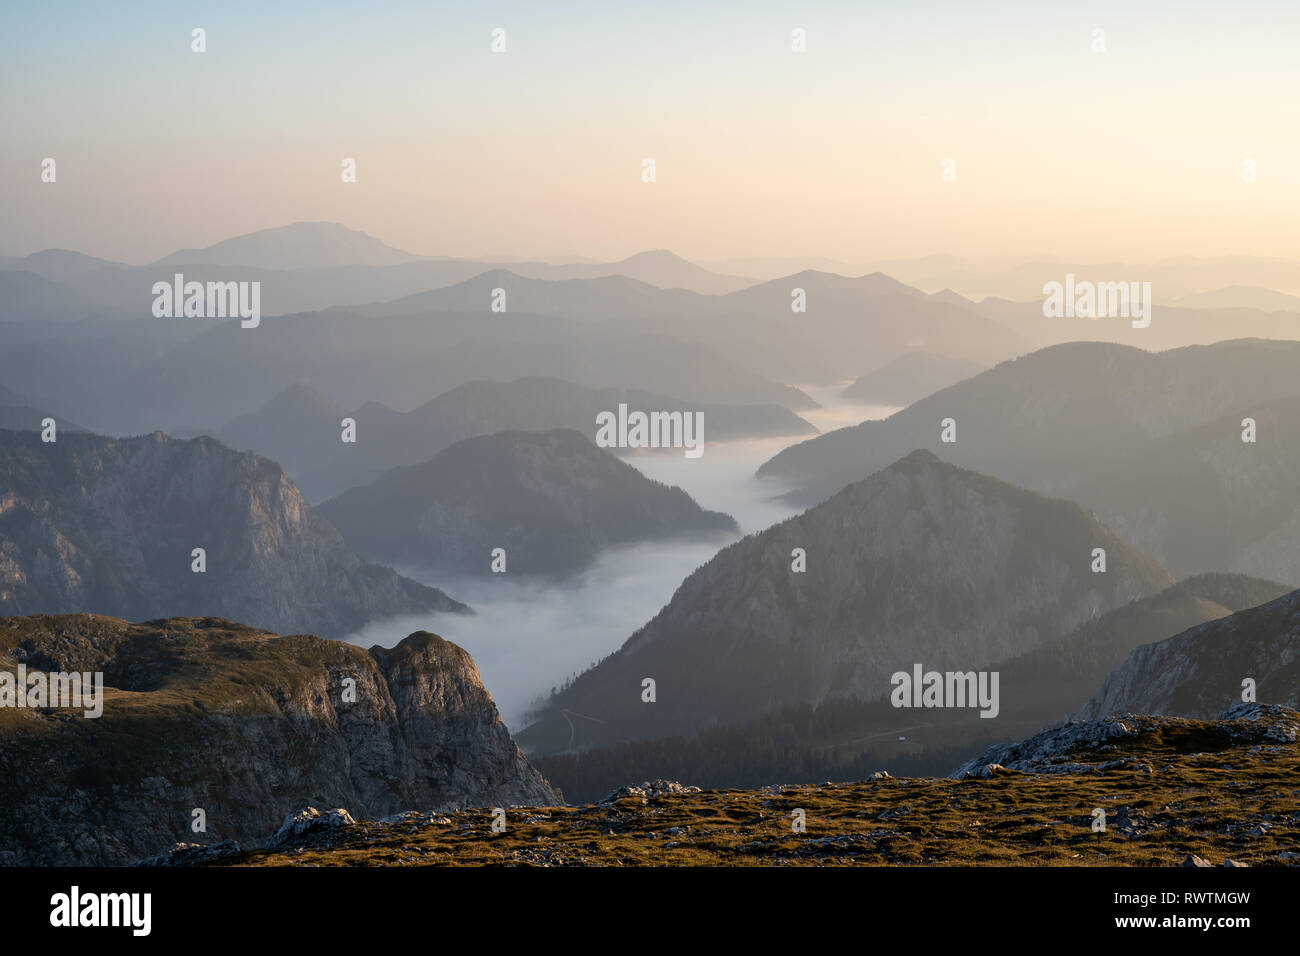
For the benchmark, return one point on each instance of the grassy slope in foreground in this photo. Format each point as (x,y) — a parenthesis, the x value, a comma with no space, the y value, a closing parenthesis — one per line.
(1171,787)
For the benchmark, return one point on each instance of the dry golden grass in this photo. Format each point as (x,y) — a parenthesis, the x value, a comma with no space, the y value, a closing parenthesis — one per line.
(1237,802)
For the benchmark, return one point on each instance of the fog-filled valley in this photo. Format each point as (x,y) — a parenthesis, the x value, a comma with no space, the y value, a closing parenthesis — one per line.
(529,636)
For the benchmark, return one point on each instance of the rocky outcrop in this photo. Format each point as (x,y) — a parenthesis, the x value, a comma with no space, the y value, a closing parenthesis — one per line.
(1200,671)
(110,526)
(213,722)
(1115,742)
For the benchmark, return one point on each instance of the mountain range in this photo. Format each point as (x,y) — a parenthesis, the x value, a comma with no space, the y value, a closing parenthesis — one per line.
(1152,441)
(922,562)
(301,428)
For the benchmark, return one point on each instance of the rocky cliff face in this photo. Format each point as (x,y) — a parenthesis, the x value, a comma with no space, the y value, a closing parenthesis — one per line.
(110,525)
(921,563)
(244,725)
(1200,671)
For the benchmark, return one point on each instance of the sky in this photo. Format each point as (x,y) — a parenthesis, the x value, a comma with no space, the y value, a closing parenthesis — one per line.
(1135,153)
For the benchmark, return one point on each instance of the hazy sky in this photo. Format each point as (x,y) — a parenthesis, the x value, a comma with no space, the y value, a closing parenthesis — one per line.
(1133,153)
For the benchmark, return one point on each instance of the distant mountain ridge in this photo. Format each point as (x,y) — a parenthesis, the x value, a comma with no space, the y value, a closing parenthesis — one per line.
(226,371)
(300,245)
(300,427)
(1150,440)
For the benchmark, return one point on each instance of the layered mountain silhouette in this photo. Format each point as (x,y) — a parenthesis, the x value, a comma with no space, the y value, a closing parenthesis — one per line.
(300,427)
(658,267)
(89,523)
(910,377)
(61,264)
(1241,297)
(300,245)
(848,324)
(1152,441)
(551,500)
(922,563)
(302,267)
(20,413)
(228,371)
(27,296)
(1170,279)
(1221,502)
(602,297)
(839,325)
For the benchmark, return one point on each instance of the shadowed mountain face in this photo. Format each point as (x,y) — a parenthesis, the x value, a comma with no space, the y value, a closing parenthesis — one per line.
(849,739)
(550,500)
(921,563)
(300,428)
(110,525)
(1152,442)
(1202,670)
(27,296)
(244,724)
(909,378)
(1202,499)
